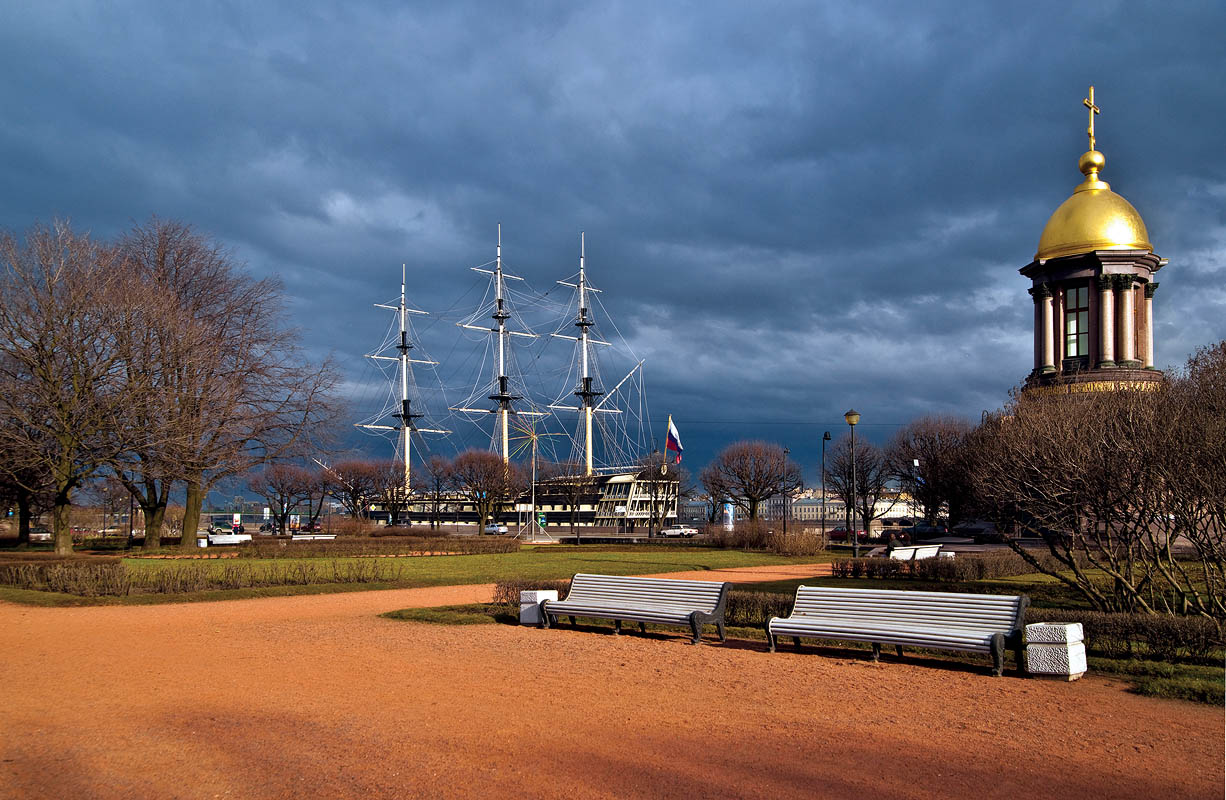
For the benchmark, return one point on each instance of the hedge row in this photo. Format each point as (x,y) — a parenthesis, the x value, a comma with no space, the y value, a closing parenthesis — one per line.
(389,546)
(963,567)
(1161,637)
(84,579)
(93,579)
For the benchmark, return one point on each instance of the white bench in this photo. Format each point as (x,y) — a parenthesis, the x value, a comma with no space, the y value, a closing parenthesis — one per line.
(981,623)
(642,600)
(914,552)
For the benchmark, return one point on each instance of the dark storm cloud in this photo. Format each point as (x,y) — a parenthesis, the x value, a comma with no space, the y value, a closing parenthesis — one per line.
(794,208)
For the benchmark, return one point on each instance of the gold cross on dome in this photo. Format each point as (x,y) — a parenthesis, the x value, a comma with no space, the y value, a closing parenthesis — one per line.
(1089,103)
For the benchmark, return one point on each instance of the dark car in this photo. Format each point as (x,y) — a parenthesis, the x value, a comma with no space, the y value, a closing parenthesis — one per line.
(925,531)
(840,535)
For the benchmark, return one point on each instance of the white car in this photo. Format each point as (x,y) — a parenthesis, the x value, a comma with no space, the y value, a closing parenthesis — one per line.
(495,529)
(679,530)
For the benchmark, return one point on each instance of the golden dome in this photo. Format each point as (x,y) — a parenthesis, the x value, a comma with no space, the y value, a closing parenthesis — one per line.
(1094,218)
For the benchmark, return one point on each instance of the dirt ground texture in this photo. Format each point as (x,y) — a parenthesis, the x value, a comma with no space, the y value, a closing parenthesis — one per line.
(317,696)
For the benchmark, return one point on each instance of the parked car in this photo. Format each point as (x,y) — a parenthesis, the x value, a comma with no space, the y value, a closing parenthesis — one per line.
(679,530)
(840,535)
(925,531)
(495,529)
(40,535)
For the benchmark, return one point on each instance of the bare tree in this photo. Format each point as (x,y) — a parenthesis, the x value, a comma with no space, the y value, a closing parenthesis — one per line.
(352,484)
(1125,488)
(389,490)
(659,480)
(283,487)
(439,484)
(573,486)
(943,474)
(487,483)
(229,388)
(749,472)
(69,401)
(872,480)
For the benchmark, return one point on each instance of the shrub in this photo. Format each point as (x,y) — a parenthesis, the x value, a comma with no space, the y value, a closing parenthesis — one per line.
(799,543)
(506,593)
(759,535)
(752,609)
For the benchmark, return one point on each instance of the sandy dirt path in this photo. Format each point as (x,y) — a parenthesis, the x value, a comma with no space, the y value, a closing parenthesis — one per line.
(319,697)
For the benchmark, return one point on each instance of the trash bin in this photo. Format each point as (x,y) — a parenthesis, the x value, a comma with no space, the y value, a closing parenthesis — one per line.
(202,541)
(529,605)
(1056,650)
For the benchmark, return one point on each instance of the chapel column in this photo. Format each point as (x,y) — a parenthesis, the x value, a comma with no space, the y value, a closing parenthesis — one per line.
(1106,323)
(1126,332)
(1049,333)
(1150,288)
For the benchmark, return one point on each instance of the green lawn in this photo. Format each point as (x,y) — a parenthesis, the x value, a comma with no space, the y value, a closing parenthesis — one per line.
(530,563)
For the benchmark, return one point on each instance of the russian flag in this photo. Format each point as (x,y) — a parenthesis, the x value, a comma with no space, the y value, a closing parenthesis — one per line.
(674,440)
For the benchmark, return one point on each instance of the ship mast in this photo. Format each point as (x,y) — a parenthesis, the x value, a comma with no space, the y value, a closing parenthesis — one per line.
(406,418)
(502,397)
(585,392)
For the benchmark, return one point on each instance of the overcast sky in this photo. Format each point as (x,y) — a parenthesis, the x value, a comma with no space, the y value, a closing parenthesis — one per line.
(792,208)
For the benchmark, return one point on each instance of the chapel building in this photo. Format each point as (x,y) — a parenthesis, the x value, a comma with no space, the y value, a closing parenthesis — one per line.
(1093,288)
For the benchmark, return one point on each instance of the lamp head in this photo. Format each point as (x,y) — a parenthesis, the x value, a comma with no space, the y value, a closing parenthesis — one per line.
(826,436)
(852,417)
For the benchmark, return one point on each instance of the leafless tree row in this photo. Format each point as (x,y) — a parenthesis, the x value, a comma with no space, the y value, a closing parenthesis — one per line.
(155,358)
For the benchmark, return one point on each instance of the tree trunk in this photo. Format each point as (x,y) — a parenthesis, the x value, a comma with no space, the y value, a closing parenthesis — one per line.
(61,525)
(23,519)
(192,503)
(154,517)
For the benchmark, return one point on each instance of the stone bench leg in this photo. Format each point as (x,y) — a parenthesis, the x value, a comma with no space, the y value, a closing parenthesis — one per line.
(998,655)
(876,651)
(723,637)
(696,627)
(642,627)
(617,627)
(898,649)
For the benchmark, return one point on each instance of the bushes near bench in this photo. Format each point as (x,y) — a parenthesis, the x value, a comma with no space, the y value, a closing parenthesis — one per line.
(963,568)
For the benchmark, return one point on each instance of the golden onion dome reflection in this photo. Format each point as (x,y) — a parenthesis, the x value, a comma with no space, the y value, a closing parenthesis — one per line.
(1094,218)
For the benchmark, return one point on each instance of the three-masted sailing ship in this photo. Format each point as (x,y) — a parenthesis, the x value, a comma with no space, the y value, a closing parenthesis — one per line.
(591,434)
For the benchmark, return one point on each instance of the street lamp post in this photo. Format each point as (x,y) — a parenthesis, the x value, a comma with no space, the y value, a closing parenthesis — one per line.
(825,438)
(914,486)
(787,498)
(852,418)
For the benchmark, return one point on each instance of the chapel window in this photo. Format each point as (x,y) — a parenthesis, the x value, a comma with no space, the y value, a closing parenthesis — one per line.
(1077,321)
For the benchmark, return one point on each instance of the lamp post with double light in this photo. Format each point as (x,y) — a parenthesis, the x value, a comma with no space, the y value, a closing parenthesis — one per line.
(852,419)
